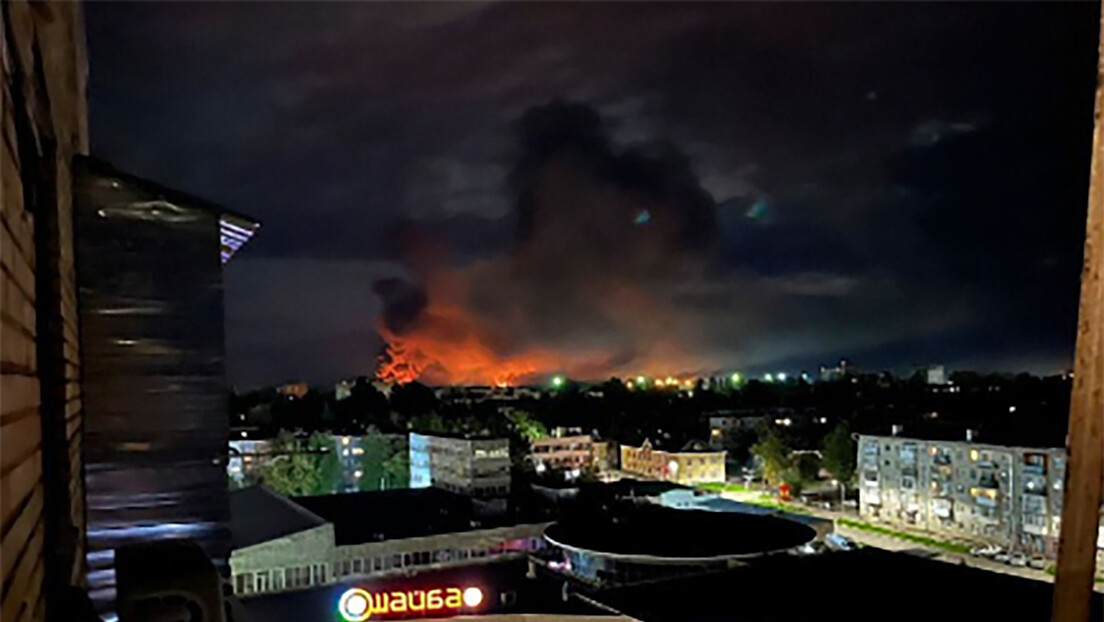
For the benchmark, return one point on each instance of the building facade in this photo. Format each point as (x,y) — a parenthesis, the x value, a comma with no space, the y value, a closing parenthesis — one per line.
(682,467)
(475,467)
(282,546)
(1010,496)
(563,453)
(45,124)
(153,347)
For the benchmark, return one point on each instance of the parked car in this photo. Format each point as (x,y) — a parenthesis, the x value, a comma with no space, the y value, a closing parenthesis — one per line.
(1038,563)
(988,550)
(1018,560)
(811,548)
(837,542)
(1001,557)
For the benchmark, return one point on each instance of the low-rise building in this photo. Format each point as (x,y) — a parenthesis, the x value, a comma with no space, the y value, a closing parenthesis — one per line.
(283,545)
(689,466)
(573,453)
(1006,495)
(478,467)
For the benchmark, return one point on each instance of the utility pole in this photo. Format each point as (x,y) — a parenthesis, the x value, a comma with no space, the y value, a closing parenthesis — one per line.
(1073,586)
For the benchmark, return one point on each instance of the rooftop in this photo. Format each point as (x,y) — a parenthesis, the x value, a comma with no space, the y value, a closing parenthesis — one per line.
(651,531)
(819,587)
(392,514)
(460,436)
(1040,437)
(259,515)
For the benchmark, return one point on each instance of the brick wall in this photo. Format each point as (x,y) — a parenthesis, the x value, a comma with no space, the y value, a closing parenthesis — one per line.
(41,483)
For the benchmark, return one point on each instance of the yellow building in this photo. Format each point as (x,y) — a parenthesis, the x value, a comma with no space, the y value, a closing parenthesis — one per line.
(682,467)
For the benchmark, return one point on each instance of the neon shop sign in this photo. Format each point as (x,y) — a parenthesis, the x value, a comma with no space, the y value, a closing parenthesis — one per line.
(358,605)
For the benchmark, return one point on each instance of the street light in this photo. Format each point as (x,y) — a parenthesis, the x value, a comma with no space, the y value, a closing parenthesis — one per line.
(557,381)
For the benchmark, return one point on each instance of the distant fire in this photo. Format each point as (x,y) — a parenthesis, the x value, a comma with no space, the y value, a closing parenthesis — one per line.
(588,289)
(445,347)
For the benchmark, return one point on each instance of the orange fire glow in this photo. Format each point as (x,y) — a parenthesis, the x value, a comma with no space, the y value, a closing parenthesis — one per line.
(445,347)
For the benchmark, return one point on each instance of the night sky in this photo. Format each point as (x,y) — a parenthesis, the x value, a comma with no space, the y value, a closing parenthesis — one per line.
(610,187)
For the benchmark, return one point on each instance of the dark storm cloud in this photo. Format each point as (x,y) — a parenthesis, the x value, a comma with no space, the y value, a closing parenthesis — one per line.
(903,182)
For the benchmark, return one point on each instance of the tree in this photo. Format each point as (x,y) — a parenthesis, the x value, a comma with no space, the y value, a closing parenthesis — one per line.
(838,451)
(774,456)
(385,463)
(413,399)
(301,468)
(526,426)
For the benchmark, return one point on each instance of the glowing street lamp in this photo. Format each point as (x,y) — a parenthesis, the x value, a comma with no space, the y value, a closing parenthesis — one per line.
(736,378)
(768,378)
(781,377)
(557,381)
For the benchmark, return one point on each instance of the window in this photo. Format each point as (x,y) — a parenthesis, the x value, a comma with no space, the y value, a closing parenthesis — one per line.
(277,580)
(377,564)
(289,577)
(356,565)
(406,560)
(262,581)
(239,584)
(396,560)
(346,567)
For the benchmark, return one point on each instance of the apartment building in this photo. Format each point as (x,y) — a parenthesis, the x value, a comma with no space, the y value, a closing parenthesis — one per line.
(1001,494)
(692,465)
(474,466)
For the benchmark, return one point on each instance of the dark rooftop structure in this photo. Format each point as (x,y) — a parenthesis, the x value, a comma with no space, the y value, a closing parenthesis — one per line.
(258,515)
(864,585)
(392,514)
(987,433)
(663,533)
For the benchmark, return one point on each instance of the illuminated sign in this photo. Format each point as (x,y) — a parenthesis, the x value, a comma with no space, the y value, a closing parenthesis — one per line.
(357,605)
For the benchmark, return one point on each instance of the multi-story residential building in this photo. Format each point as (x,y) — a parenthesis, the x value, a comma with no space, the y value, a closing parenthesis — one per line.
(474,466)
(689,466)
(573,453)
(1006,495)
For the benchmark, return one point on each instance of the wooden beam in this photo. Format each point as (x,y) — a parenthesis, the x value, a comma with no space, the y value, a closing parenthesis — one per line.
(1073,586)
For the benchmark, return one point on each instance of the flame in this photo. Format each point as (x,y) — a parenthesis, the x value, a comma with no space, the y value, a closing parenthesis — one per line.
(450,344)
(446,347)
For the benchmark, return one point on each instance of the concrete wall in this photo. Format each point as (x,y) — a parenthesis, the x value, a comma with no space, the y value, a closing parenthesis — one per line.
(41,486)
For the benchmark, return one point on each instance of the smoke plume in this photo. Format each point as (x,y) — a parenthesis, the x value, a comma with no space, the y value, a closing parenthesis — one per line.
(603,234)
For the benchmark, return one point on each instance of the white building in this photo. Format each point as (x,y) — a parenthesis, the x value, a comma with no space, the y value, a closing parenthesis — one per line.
(478,467)
(936,374)
(1006,495)
(282,545)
